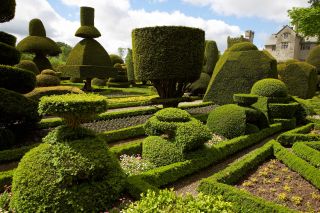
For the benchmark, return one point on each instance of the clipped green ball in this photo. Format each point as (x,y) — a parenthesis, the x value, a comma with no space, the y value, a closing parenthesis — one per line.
(173,115)
(270,87)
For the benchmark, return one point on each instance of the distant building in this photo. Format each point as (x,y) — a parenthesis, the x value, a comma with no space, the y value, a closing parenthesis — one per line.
(288,44)
(248,36)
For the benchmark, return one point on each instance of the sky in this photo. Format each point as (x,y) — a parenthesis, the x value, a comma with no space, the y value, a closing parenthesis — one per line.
(115,19)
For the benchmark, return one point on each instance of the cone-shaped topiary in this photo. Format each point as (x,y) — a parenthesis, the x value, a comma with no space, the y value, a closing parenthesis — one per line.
(7,10)
(314,58)
(9,55)
(130,67)
(28,65)
(300,78)
(88,59)
(237,70)
(39,44)
(170,61)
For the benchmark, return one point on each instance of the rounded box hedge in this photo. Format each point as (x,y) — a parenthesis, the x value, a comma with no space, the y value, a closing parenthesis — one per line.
(270,87)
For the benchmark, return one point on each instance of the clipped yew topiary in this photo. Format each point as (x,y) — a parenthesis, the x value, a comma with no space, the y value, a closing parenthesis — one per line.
(300,78)
(88,59)
(47,78)
(237,70)
(211,54)
(199,87)
(169,56)
(9,55)
(116,59)
(7,10)
(121,79)
(314,57)
(28,65)
(99,82)
(38,43)
(130,67)
(73,170)
(270,87)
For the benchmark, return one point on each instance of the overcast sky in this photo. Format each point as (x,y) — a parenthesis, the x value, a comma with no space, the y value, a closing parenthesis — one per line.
(116,18)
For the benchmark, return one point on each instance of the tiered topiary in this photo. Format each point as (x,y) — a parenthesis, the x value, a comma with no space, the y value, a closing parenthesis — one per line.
(28,65)
(16,111)
(172,133)
(130,67)
(275,97)
(72,171)
(171,61)
(211,56)
(88,59)
(237,70)
(47,78)
(121,79)
(301,78)
(38,43)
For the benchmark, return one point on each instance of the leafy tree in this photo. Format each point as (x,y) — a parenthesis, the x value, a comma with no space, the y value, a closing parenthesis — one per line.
(307,20)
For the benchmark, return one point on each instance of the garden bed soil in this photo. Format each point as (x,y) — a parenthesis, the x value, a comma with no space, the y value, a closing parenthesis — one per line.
(275,182)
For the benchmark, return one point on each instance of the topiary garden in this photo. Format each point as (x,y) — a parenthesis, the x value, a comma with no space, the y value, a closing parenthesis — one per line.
(92,136)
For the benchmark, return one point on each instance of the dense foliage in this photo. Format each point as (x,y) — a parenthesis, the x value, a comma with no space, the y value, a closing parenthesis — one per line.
(7,10)
(314,58)
(270,87)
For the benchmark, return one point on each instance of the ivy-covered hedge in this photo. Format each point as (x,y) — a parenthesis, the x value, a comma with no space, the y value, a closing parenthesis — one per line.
(298,134)
(306,152)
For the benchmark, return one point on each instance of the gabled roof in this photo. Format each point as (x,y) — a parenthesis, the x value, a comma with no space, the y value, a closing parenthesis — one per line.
(285,26)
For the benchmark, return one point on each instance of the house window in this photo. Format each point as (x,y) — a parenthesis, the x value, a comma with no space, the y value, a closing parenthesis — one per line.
(284,45)
(305,46)
(286,35)
(273,47)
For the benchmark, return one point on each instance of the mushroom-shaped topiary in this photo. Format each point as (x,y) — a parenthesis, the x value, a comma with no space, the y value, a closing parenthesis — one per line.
(38,43)
(300,77)
(28,65)
(72,171)
(171,61)
(88,59)
(237,70)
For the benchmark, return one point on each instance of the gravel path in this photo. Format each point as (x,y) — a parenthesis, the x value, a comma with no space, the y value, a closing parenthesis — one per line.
(190,183)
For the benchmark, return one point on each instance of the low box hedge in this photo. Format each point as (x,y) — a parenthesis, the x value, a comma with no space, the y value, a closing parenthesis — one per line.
(200,159)
(298,134)
(306,151)
(221,182)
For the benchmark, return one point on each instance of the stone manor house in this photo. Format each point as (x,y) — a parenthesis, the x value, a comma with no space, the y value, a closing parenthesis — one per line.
(288,44)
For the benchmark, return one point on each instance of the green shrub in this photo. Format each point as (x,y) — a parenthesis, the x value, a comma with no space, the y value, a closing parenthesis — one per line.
(177,57)
(87,28)
(116,59)
(172,115)
(73,108)
(287,124)
(28,65)
(242,46)
(199,87)
(7,10)
(7,138)
(8,38)
(237,71)
(75,176)
(166,201)
(17,109)
(18,80)
(160,151)
(99,82)
(270,88)
(129,65)
(211,53)
(300,78)
(304,151)
(251,128)
(282,110)
(9,55)
(228,120)
(314,57)
(47,80)
(245,99)
(39,92)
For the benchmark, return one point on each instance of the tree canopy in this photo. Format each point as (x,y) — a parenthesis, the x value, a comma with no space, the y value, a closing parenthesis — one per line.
(307,20)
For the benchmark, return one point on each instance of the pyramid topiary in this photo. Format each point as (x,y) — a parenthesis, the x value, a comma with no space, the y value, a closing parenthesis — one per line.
(88,59)
(237,70)
(38,43)
(171,61)
(300,78)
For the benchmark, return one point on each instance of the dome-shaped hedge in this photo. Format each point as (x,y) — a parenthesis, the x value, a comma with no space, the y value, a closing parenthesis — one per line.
(116,59)
(68,176)
(270,87)
(28,65)
(47,78)
(314,58)
(173,115)
(242,46)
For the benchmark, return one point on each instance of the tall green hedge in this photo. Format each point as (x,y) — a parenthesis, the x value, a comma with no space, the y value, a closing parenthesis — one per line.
(130,67)
(236,72)
(314,58)
(300,78)
(211,53)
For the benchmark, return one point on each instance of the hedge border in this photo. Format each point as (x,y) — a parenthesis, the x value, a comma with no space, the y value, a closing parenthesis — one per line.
(305,151)
(298,134)
(220,182)
(198,160)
